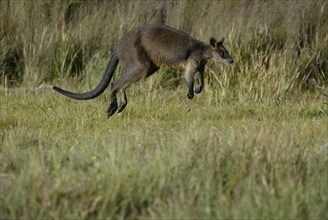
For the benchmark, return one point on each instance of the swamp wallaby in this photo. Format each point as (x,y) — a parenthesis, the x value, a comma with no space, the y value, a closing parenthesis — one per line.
(144,50)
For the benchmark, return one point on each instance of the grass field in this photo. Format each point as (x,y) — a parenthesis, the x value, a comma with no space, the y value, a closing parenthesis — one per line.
(165,157)
(252,145)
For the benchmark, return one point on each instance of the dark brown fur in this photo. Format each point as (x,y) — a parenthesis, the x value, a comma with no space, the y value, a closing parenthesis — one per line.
(144,50)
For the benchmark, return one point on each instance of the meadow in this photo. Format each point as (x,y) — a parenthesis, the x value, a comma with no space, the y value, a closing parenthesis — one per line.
(252,145)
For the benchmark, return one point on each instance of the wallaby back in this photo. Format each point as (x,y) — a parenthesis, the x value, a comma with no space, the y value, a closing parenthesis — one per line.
(160,44)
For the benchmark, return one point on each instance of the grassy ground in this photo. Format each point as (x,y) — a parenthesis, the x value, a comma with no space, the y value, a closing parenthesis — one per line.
(165,157)
(254,144)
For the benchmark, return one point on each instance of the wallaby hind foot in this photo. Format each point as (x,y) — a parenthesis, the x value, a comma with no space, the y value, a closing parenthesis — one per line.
(112,108)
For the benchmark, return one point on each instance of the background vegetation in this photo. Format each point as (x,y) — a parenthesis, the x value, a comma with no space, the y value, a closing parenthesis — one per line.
(283,42)
(252,145)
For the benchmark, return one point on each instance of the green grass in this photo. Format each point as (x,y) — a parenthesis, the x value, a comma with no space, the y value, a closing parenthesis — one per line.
(165,157)
(253,145)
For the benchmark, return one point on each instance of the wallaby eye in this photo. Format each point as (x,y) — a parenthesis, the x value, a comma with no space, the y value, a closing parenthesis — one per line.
(221,53)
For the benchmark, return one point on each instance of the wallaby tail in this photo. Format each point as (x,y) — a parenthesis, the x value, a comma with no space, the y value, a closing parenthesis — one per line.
(101,86)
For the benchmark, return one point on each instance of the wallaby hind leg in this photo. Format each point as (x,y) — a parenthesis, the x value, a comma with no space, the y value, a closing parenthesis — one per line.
(123,100)
(118,86)
(131,75)
(113,105)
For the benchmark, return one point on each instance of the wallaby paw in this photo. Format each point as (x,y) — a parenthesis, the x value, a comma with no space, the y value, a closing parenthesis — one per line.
(198,90)
(190,95)
(121,108)
(111,109)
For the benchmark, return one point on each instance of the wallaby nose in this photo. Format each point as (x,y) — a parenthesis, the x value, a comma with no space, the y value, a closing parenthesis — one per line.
(231,61)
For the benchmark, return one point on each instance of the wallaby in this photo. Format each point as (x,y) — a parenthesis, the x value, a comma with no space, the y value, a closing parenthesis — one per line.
(147,48)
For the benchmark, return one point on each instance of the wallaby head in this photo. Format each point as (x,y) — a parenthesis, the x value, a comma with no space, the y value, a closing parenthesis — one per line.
(219,52)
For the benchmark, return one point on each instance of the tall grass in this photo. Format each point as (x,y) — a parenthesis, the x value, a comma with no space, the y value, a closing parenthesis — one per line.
(280,42)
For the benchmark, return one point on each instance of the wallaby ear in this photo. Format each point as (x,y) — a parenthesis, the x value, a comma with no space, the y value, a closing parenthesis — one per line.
(213,42)
(221,41)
